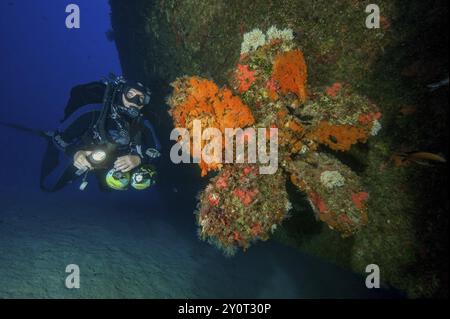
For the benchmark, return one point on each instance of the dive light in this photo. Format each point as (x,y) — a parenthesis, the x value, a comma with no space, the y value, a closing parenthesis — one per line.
(97,157)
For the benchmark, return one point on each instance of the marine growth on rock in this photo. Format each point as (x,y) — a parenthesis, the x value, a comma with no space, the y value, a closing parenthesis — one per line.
(268,89)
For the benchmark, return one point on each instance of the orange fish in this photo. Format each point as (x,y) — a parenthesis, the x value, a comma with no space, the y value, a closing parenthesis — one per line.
(408,110)
(421,158)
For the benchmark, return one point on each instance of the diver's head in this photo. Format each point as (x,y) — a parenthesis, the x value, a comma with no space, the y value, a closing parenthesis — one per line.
(134,98)
(135,95)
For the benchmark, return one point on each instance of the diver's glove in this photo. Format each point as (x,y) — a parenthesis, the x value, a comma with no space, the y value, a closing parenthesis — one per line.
(152,153)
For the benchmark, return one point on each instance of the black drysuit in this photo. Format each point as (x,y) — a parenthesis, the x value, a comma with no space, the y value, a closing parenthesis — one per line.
(78,131)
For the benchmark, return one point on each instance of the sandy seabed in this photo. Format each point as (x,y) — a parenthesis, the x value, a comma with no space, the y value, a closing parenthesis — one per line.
(128,250)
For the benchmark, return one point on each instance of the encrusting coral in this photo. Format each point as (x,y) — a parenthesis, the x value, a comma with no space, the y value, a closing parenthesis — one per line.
(234,210)
(245,77)
(195,98)
(289,71)
(240,206)
(341,203)
(338,137)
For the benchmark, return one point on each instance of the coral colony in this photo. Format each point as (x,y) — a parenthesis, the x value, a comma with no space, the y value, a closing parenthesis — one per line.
(268,89)
(211,153)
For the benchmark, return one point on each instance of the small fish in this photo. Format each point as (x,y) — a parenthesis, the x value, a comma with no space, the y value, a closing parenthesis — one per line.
(421,158)
(408,110)
(427,156)
(437,85)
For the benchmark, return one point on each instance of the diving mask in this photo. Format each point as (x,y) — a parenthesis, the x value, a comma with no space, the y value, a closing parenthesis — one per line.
(137,99)
(140,96)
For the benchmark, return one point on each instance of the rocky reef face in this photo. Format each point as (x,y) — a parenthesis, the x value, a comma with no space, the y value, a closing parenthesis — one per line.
(204,38)
(350,69)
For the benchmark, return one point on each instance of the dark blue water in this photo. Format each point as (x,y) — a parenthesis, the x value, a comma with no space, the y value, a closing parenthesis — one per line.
(127,244)
(40,61)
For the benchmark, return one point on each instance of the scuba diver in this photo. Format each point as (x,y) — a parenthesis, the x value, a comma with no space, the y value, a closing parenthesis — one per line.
(104,132)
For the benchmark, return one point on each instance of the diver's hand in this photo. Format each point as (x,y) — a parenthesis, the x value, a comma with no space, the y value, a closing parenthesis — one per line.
(127,163)
(80,160)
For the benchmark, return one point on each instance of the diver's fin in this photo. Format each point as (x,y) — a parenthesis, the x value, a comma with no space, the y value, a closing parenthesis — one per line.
(21,128)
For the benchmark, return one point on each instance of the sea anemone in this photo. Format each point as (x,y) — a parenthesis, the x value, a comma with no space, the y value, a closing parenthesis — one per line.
(332,179)
(252,41)
(275,34)
(376,127)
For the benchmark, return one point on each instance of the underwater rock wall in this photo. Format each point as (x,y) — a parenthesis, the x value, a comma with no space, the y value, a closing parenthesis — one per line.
(159,41)
(204,37)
